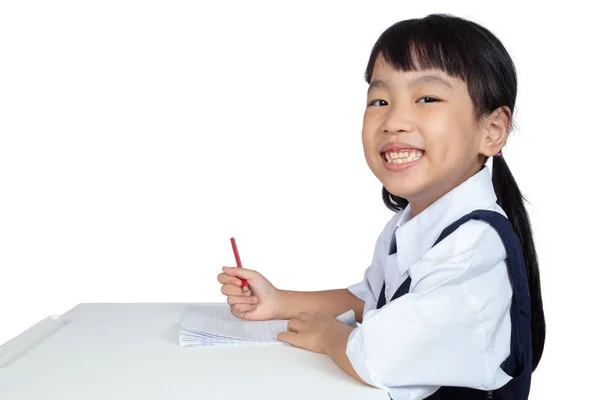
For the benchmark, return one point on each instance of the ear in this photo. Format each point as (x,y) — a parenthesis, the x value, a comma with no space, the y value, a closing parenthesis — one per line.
(495,129)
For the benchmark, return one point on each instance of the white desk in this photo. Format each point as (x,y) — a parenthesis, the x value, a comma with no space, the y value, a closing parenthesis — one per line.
(130,351)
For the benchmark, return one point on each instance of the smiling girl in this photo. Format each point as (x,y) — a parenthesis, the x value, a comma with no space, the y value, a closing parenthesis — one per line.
(451,306)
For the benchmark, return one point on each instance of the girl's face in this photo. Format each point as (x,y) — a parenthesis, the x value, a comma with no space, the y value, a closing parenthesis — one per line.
(419,134)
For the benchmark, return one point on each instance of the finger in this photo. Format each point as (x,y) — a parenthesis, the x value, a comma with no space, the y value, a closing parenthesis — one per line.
(240,272)
(295,325)
(288,337)
(224,278)
(232,300)
(303,316)
(240,309)
(230,290)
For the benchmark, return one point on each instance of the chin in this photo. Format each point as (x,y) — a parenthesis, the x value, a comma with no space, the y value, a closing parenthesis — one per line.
(410,188)
(400,192)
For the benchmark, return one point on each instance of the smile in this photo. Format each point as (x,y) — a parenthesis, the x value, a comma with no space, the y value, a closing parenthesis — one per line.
(402,159)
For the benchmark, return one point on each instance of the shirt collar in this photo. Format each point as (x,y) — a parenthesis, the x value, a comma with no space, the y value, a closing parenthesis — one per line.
(416,235)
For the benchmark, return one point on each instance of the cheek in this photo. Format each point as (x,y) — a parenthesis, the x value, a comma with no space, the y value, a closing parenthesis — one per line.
(447,145)
(438,137)
(369,151)
(451,150)
(368,138)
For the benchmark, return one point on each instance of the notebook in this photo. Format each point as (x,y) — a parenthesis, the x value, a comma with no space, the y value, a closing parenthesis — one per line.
(212,324)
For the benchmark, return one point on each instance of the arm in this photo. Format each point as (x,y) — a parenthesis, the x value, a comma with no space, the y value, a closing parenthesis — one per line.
(335,347)
(335,302)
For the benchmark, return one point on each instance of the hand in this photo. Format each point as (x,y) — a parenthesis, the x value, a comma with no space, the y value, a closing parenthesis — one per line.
(262,301)
(314,331)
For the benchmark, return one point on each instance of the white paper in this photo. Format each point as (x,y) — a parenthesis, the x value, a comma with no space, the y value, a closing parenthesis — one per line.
(213,325)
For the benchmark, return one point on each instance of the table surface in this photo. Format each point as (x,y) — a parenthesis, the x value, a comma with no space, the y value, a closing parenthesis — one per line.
(130,351)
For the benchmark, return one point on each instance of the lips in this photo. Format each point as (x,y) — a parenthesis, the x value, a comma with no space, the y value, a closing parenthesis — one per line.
(398,146)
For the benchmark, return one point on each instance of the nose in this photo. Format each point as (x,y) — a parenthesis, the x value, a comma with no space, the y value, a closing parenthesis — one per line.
(397,120)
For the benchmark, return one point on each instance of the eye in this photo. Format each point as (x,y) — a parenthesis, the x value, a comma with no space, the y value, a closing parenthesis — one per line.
(371,103)
(433,99)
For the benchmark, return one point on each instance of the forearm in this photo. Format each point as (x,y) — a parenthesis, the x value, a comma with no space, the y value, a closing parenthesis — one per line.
(336,302)
(335,348)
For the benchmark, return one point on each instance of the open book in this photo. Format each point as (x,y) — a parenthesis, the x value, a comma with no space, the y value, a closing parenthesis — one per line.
(212,324)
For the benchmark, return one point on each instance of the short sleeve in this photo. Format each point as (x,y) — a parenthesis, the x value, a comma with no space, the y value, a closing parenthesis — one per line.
(452,329)
(373,276)
(363,289)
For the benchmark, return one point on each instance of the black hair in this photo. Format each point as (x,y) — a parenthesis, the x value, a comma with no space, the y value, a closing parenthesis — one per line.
(463,49)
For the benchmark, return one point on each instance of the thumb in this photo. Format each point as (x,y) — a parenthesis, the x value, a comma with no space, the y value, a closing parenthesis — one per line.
(241,272)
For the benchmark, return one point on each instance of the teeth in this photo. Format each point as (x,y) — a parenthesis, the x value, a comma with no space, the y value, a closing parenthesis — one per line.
(403,156)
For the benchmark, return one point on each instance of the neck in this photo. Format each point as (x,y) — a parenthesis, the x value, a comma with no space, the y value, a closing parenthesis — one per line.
(417,205)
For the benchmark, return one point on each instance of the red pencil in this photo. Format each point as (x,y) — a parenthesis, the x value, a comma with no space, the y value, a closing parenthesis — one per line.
(245,287)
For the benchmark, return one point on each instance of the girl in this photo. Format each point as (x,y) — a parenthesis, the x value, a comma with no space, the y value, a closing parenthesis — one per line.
(451,305)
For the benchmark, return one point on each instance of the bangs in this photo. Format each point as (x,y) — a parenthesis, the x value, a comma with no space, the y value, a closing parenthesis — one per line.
(423,44)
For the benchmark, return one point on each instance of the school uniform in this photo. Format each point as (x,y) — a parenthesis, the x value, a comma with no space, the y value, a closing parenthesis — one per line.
(439,315)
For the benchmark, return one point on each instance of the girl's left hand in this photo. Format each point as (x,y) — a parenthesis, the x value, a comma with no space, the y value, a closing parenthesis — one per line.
(311,331)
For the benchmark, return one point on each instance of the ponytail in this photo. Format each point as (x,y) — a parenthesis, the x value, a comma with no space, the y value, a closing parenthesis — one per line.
(511,200)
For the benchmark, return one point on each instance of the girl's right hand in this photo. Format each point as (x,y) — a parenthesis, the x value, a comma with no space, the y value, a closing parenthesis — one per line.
(261,303)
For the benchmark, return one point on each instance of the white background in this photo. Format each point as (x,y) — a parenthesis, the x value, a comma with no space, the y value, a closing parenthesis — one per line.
(137,137)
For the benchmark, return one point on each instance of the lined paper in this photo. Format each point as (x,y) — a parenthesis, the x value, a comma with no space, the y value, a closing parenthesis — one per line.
(212,324)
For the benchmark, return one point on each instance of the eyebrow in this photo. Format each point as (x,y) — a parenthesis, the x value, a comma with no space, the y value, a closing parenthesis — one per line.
(379,83)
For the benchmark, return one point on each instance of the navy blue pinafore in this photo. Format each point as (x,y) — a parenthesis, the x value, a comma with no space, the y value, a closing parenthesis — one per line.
(519,362)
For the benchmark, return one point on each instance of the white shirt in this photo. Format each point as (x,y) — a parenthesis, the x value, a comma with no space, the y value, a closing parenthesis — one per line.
(453,327)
